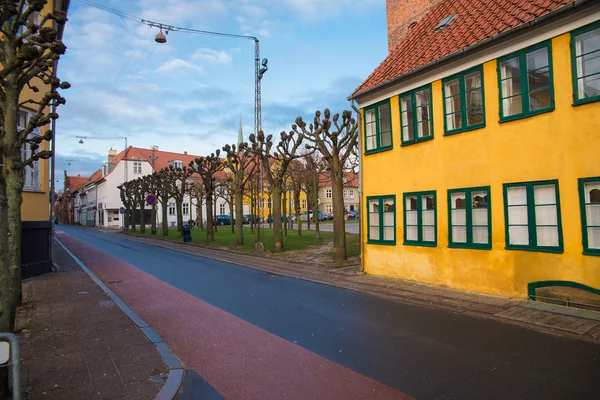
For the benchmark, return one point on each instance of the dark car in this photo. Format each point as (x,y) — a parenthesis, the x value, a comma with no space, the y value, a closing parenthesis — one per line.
(223,220)
(290,217)
(250,219)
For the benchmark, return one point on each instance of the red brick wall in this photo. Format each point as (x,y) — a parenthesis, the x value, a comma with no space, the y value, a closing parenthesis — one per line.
(401,13)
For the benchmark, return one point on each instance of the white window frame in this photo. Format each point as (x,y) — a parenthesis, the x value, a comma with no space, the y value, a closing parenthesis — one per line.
(328,193)
(171,208)
(32,175)
(185,208)
(178,164)
(222,209)
(137,167)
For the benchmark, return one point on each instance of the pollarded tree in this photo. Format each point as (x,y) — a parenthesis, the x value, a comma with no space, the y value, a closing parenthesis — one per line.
(125,191)
(139,191)
(207,167)
(161,179)
(336,142)
(29,51)
(177,186)
(241,163)
(275,162)
(196,191)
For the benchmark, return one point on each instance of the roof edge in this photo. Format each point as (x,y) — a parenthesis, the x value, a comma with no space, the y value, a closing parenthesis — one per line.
(469,49)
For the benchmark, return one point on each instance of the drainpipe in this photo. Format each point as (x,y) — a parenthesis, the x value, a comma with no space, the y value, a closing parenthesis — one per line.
(360,202)
(52,179)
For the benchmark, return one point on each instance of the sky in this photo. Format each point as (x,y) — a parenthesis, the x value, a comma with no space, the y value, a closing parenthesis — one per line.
(189,94)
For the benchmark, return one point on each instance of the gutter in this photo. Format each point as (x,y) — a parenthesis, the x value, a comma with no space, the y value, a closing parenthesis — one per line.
(361,268)
(476,46)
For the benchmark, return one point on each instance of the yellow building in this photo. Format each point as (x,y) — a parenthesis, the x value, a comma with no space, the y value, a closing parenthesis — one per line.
(481,146)
(36,210)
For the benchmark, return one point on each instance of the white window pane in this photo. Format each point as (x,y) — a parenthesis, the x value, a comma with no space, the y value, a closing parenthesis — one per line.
(459,234)
(370,116)
(374,205)
(428,234)
(386,139)
(374,233)
(545,194)
(593,238)
(411,203)
(388,233)
(481,235)
(517,195)
(388,219)
(458,200)
(374,219)
(480,216)
(592,192)
(407,133)
(411,217)
(546,215)
(592,213)
(370,129)
(517,215)
(519,235)
(371,142)
(588,86)
(547,236)
(412,233)
(451,88)
(512,106)
(459,217)
(588,42)
(428,217)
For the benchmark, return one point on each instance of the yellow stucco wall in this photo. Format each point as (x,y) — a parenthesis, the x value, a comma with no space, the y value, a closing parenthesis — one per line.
(563,144)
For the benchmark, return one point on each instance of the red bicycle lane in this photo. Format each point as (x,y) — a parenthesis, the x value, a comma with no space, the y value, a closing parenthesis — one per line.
(240,360)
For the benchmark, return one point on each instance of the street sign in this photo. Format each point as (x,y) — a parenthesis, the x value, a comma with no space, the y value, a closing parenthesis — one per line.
(151,199)
(122,210)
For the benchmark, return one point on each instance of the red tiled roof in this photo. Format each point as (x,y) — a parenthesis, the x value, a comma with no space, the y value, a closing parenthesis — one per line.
(73,183)
(350,181)
(163,157)
(475,21)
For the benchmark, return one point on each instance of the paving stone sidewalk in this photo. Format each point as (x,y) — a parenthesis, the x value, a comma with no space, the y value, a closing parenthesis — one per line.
(580,324)
(77,344)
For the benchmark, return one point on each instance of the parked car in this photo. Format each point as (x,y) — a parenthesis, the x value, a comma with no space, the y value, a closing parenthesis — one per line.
(306,215)
(223,220)
(330,216)
(290,217)
(250,219)
(351,215)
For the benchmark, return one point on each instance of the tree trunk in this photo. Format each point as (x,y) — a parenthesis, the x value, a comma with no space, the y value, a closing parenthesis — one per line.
(179,205)
(339,222)
(14,187)
(297,208)
(277,237)
(316,208)
(239,216)
(126,218)
(132,217)
(153,228)
(165,218)
(6,289)
(215,214)
(199,215)
(252,210)
(143,216)
(210,233)
(284,212)
(231,216)
(308,202)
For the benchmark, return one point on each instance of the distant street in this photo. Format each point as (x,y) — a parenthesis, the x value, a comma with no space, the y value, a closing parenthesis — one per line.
(254,335)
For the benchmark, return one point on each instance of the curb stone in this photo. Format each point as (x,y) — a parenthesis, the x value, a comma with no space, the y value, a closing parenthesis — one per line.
(175,377)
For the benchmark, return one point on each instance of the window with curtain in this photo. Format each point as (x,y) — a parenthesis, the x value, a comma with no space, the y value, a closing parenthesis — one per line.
(470,216)
(589,193)
(171,209)
(533,216)
(382,219)
(31,174)
(378,127)
(185,208)
(463,101)
(526,86)
(416,115)
(420,219)
(585,54)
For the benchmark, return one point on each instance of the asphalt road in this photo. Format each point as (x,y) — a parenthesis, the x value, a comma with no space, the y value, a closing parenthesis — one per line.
(422,352)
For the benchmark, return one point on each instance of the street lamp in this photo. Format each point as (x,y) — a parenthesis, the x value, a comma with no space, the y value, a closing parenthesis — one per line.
(109,137)
(258,74)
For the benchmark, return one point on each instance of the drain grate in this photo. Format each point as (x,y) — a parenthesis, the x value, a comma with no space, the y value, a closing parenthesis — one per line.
(114,282)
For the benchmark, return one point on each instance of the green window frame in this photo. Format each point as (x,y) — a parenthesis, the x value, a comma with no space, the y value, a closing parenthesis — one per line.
(470,220)
(381,220)
(378,127)
(464,101)
(532,216)
(581,53)
(416,115)
(420,218)
(589,196)
(525,82)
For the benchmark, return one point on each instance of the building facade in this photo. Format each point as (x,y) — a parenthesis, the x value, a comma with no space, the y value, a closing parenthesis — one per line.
(350,192)
(480,143)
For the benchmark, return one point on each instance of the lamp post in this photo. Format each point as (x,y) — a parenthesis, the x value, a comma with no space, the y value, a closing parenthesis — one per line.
(260,68)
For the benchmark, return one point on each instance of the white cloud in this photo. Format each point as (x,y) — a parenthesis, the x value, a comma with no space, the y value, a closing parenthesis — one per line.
(212,56)
(177,64)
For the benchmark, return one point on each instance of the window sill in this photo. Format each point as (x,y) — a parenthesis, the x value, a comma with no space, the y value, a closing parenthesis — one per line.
(428,138)
(382,243)
(526,115)
(468,129)
(595,253)
(33,190)
(469,247)
(421,244)
(536,249)
(378,150)
(588,100)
